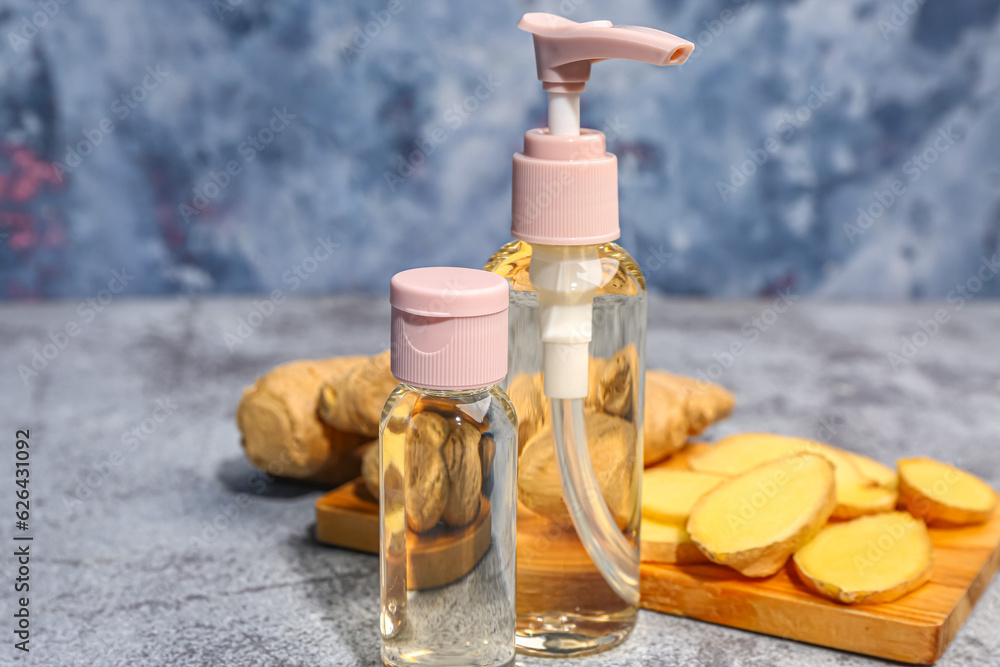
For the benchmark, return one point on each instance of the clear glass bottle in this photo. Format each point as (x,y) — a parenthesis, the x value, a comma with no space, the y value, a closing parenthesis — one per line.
(564,604)
(447,462)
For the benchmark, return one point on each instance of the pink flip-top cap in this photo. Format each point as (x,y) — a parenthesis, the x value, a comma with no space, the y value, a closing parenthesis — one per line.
(449,328)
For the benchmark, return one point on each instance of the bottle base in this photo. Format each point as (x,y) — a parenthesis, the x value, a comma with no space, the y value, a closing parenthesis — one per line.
(395,658)
(567,635)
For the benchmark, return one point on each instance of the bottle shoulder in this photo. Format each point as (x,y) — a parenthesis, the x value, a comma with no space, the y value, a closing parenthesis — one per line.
(622,275)
(481,406)
(503,402)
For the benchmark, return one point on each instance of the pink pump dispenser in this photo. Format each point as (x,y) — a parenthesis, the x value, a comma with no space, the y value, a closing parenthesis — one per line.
(577,325)
(565,188)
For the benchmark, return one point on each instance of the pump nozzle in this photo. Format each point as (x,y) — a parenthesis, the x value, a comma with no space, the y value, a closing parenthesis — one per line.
(565,50)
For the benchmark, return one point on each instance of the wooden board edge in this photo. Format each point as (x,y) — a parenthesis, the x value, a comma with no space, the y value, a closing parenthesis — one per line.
(775,616)
(953,624)
(348,517)
(349,512)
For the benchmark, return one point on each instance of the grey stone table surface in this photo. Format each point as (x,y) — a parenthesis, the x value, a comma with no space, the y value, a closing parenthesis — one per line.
(155,543)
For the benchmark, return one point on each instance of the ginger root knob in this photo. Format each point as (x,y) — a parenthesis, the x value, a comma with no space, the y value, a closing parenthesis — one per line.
(465,476)
(426,474)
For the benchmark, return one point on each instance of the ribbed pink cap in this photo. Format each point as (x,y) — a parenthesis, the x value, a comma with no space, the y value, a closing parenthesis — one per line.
(449,328)
(565,190)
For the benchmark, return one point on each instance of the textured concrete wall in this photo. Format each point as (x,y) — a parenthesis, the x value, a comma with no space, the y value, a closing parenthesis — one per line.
(841,149)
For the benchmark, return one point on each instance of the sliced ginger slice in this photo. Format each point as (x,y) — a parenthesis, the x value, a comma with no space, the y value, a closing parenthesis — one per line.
(669,494)
(739,453)
(875,492)
(668,543)
(859,500)
(754,522)
(736,454)
(882,475)
(942,494)
(869,560)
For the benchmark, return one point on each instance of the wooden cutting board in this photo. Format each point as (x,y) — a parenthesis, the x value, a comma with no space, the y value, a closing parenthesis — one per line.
(348,517)
(916,628)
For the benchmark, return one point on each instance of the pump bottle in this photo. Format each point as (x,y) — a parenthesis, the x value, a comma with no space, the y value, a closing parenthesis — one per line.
(576,355)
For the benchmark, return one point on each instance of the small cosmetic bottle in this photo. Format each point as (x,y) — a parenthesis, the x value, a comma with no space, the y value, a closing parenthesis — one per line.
(447,459)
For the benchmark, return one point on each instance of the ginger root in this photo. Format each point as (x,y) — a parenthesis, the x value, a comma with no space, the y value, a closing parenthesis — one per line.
(465,474)
(369,467)
(669,495)
(487,452)
(863,499)
(677,407)
(857,494)
(282,433)
(426,472)
(879,473)
(839,562)
(352,401)
(674,408)
(525,392)
(754,522)
(612,449)
(448,464)
(618,383)
(668,543)
(942,494)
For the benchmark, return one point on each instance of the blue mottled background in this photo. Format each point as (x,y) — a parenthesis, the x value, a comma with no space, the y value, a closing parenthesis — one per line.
(119,119)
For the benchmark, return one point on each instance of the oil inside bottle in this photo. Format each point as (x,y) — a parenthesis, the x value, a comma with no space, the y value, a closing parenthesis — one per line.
(564,605)
(447,521)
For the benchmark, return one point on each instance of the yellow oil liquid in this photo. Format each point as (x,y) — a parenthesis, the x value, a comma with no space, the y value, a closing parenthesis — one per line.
(564,605)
